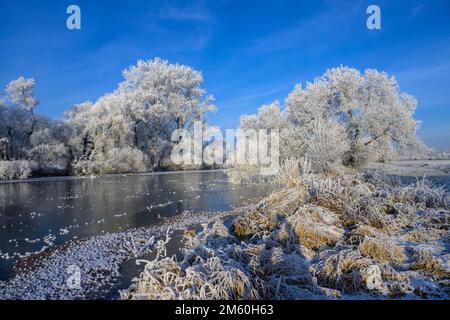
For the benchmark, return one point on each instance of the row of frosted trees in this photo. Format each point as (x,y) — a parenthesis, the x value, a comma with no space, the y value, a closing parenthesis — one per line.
(342,118)
(128,130)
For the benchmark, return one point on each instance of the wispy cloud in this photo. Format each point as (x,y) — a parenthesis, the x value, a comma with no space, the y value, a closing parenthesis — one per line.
(425,72)
(321,30)
(416,11)
(430,62)
(254,96)
(193,12)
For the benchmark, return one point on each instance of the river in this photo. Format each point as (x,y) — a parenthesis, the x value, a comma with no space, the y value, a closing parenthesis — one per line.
(39,214)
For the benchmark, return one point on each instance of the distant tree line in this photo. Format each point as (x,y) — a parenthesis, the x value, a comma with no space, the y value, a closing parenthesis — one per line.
(341,118)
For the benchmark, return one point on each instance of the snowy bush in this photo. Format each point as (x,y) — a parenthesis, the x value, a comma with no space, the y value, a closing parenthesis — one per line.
(117,160)
(86,167)
(326,144)
(154,99)
(50,159)
(124,160)
(18,169)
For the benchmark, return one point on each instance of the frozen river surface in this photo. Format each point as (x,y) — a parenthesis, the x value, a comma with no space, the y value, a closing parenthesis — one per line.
(38,214)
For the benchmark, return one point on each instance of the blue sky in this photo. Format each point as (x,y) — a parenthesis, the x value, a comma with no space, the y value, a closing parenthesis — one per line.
(250,52)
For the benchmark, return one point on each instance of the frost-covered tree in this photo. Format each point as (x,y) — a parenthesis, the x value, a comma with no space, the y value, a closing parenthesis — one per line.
(303,106)
(49,148)
(343,117)
(80,133)
(378,117)
(26,136)
(268,117)
(154,99)
(21,93)
(18,121)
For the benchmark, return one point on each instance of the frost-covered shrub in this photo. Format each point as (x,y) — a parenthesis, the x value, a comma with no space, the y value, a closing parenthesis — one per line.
(117,160)
(423,192)
(289,174)
(124,160)
(51,159)
(326,144)
(361,156)
(18,169)
(26,135)
(85,167)
(244,173)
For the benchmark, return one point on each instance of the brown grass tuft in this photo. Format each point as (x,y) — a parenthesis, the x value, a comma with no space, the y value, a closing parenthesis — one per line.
(252,223)
(427,263)
(348,271)
(315,236)
(382,250)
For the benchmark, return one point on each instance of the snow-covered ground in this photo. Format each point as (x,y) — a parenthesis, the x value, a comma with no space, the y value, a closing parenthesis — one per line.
(415,167)
(437,171)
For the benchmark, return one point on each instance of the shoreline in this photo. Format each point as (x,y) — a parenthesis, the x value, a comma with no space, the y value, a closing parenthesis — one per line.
(101,256)
(63,178)
(388,165)
(352,237)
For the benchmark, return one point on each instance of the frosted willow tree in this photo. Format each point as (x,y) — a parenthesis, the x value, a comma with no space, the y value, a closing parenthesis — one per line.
(343,117)
(378,117)
(130,129)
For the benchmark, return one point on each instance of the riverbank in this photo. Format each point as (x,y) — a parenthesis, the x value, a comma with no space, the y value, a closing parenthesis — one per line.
(351,236)
(99,260)
(37,216)
(62,178)
(409,168)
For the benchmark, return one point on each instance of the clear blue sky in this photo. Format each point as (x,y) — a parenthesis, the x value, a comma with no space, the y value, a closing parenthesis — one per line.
(250,52)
